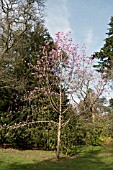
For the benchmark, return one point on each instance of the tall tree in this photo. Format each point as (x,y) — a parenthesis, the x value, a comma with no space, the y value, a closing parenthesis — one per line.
(92,108)
(22,35)
(105,55)
(17,18)
(72,72)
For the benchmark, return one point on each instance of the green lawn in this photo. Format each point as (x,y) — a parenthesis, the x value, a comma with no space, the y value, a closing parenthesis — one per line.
(87,158)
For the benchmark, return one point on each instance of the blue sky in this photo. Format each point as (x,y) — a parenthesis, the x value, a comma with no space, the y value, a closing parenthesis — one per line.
(86,19)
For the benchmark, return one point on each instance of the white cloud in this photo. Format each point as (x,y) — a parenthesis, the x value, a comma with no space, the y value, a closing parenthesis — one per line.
(58,17)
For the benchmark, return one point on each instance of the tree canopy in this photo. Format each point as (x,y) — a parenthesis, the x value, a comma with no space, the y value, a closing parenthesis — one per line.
(105,55)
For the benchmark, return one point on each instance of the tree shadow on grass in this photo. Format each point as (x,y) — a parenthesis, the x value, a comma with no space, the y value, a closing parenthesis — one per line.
(87,161)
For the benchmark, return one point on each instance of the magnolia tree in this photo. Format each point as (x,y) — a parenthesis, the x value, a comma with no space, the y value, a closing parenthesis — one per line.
(70,72)
(65,70)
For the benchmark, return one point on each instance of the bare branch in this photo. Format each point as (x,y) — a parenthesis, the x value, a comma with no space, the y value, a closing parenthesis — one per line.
(26,124)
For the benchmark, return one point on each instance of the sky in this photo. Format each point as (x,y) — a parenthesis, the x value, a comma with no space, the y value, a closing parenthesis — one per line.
(87,20)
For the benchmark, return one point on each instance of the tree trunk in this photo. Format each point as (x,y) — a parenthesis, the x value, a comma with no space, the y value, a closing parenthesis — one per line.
(60,113)
(59,125)
(58,138)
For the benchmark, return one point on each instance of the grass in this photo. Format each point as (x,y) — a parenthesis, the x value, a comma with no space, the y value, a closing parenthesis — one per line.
(87,158)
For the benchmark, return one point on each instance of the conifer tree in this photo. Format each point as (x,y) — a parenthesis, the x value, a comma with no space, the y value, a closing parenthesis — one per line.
(105,55)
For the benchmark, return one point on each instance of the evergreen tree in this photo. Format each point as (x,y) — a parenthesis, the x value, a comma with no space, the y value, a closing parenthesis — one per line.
(105,56)
(20,48)
(17,19)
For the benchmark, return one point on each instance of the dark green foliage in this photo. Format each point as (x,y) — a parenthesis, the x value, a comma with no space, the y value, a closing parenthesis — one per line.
(111,103)
(20,103)
(105,56)
(84,130)
(39,136)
